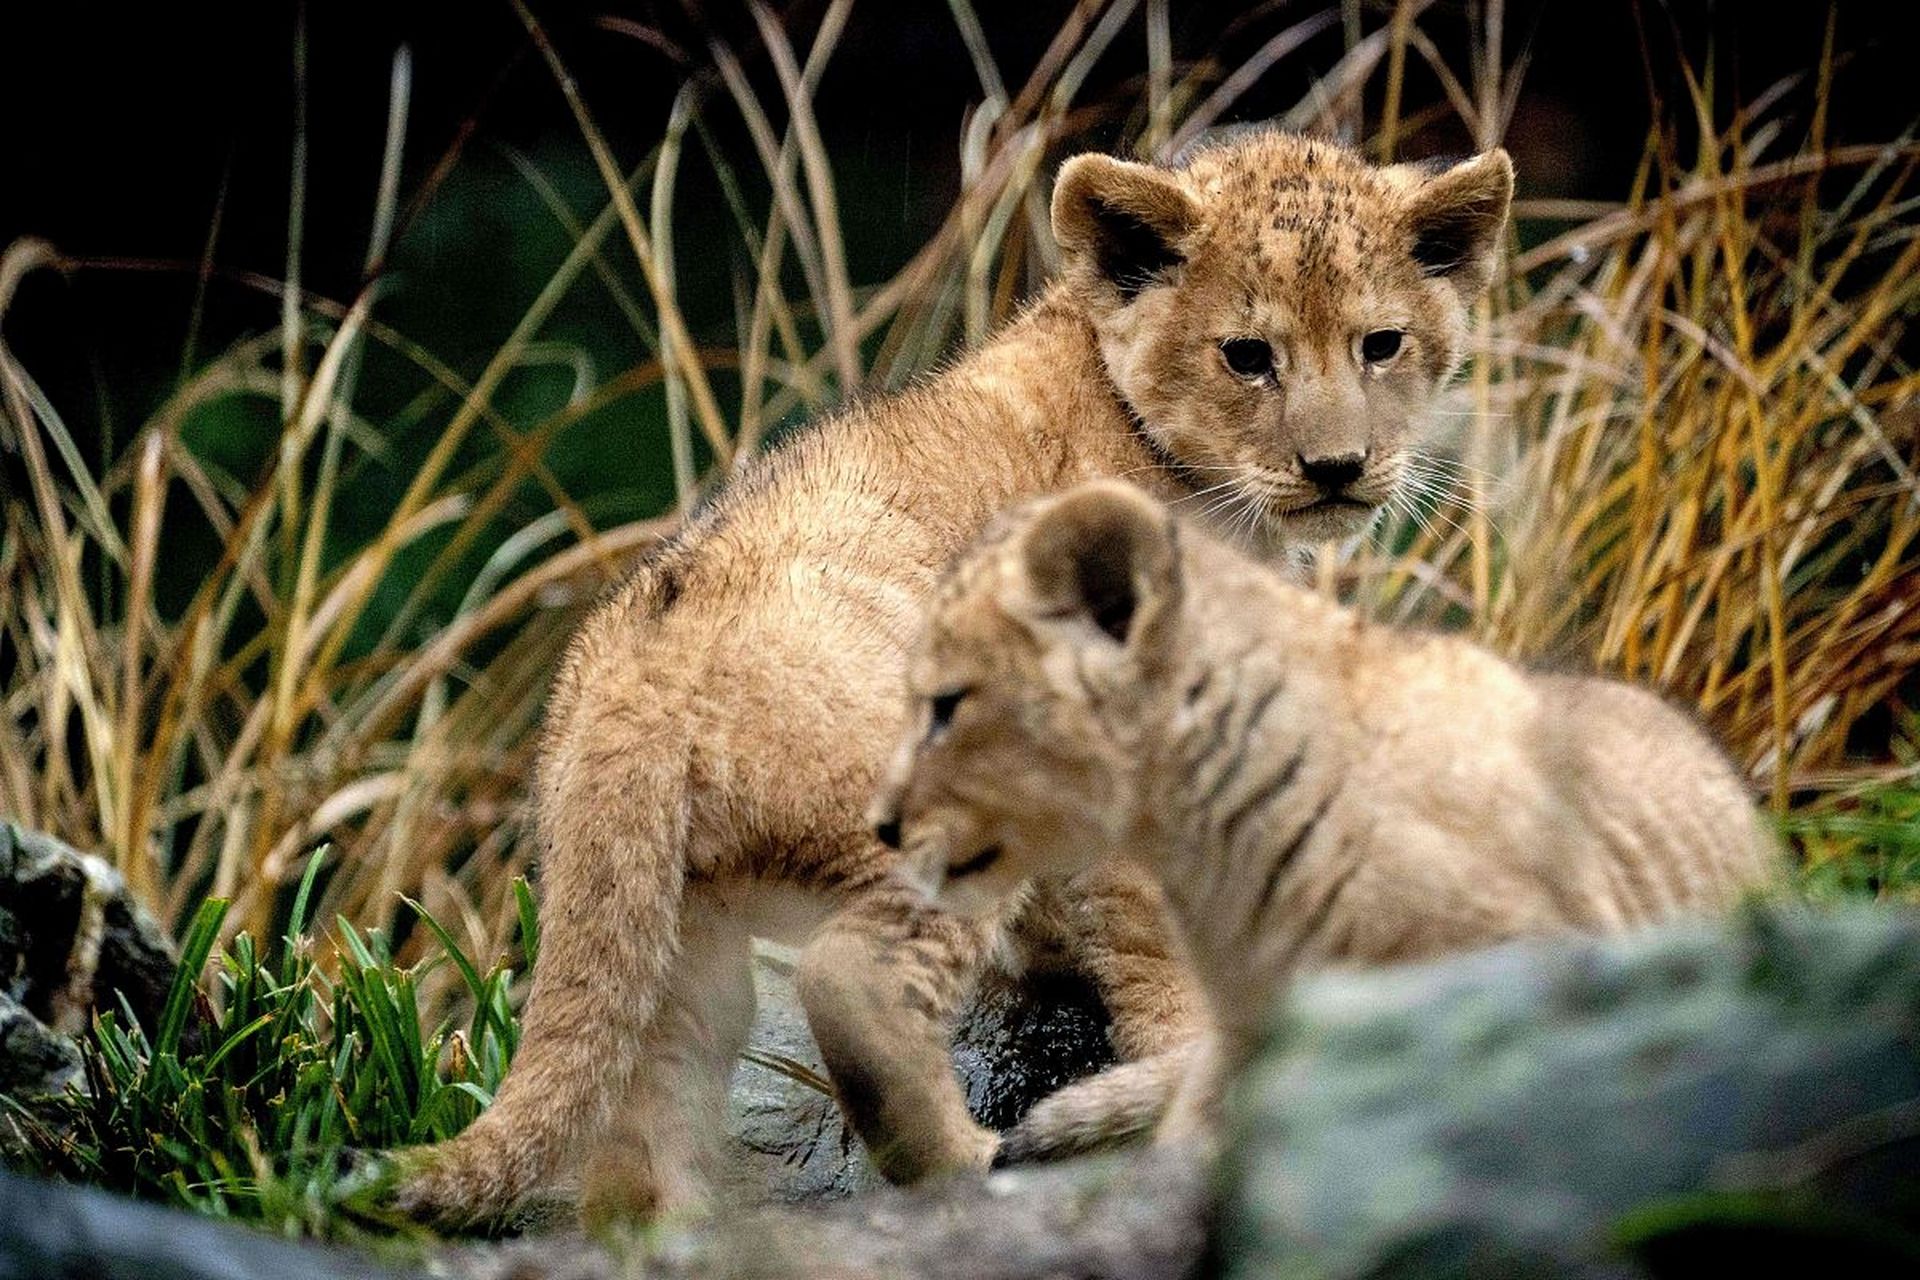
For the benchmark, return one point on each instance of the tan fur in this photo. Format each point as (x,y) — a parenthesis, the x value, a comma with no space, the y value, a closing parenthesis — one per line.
(1309,789)
(719,724)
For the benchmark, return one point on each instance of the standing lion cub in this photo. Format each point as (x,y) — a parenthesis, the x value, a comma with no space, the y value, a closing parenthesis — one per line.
(1308,789)
(1265,324)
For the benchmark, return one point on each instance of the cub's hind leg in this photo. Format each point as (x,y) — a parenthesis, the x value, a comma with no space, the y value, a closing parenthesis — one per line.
(658,1154)
(881,983)
(612,808)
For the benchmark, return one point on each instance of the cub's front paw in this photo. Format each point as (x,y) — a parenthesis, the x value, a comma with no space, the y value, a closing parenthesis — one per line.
(984,1151)
(915,1155)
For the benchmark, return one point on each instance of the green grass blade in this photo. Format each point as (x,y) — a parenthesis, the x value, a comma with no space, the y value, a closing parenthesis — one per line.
(235,1040)
(297,922)
(201,936)
(468,974)
(529,918)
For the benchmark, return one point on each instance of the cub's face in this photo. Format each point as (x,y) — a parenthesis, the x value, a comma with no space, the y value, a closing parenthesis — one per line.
(1279,314)
(1034,699)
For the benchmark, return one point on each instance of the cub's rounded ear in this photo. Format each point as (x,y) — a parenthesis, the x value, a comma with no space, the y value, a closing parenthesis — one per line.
(1104,558)
(1457,218)
(1121,225)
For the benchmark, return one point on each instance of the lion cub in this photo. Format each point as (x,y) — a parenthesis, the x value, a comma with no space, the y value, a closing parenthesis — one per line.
(1309,789)
(1263,325)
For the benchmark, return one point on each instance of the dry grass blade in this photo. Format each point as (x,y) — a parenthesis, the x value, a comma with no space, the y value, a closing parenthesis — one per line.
(672,323)
(1229,90)
(661,210)
(819,174)
(1699,482)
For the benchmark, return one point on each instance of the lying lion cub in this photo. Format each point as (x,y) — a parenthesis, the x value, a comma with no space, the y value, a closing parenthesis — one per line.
(1309,788)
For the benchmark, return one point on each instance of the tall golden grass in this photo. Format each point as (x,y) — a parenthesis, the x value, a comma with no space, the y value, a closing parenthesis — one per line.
(1685,453)
(1686,449)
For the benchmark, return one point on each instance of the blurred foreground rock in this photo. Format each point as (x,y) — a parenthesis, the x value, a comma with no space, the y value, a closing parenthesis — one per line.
(1138,1218)
(1705,1097)
(72,940)
(54,1232)
(1670,1105)
(1698,1098)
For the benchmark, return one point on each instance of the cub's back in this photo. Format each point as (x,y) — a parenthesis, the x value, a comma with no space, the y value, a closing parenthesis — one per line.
(1487,801)
(1657,787)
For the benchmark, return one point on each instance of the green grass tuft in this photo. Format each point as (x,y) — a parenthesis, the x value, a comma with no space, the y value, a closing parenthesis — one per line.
(250,1098)
(1865,844)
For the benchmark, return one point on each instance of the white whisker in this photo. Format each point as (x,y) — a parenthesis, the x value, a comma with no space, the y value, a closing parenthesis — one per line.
(1449,464)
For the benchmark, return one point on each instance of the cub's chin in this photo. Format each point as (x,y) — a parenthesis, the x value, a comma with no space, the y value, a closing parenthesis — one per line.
(1333,520)
(983,883)
(1286,532)
(978,882)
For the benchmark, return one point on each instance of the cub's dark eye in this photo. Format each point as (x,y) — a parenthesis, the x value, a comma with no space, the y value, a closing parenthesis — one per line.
(1380,346)
(1248,357)
(943,706)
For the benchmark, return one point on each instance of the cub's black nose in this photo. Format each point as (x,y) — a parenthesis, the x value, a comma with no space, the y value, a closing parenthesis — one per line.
(888,831)
(1333,474)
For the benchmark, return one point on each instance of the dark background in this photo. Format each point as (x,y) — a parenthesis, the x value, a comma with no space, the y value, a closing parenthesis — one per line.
(128,126)
(123,119)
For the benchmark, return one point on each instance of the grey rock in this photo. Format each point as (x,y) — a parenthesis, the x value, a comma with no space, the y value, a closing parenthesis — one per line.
(1019,1040)
(1693,1096)
(1702,1098)
(1139,1218)
(34,1060)
(72,939)
(49,1231)
(789,1141)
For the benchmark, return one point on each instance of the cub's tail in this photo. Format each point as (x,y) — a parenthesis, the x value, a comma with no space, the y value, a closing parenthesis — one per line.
(1119,1105)
(612,811)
